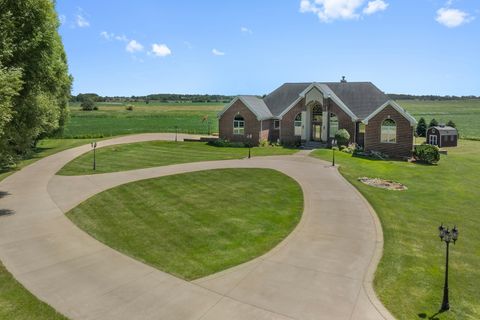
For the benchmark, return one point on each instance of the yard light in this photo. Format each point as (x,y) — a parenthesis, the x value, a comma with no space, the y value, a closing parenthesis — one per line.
(176,133)
(249,137)
(334,143)
(447,236)
(94,146)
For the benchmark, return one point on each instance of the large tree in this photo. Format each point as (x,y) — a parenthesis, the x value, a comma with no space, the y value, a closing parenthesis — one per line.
(34,80)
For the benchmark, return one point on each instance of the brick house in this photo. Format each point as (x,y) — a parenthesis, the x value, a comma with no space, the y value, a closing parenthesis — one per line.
(313,112)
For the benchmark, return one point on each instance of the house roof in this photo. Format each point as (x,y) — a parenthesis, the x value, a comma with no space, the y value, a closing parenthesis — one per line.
(445,130)
(358,99)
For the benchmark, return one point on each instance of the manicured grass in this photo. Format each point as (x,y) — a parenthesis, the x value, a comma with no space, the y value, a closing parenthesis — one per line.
(192,225)
(159,153)
(113,119)
(410,277)
(16,303)
(465,113)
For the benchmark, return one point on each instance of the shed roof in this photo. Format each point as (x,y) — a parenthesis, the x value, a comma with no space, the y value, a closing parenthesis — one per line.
(445,130)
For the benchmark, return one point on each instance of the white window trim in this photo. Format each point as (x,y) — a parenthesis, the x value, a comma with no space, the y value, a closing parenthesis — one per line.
(276,124)
(389,134)
(297,124)
(240,129)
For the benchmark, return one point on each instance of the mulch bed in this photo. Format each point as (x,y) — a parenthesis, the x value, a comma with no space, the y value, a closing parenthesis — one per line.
(383,184)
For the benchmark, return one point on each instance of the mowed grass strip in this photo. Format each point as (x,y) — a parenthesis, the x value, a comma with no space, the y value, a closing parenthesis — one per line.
(158,153)
(409,279)
(196,224)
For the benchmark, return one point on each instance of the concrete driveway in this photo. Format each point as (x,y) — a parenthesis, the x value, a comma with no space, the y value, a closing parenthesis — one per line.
(323,270)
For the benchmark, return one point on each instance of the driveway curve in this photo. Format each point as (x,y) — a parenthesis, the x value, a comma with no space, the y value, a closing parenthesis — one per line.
(322,270)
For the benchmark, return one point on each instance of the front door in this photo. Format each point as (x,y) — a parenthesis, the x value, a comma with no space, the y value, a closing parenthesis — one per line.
(317,132)
(433,140)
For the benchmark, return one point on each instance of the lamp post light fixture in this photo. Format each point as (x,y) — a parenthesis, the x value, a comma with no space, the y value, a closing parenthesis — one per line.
(249,137)
(94,146)
(334,144)
(447,236)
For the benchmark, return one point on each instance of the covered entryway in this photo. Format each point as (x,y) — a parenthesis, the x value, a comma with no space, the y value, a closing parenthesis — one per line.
(317,123)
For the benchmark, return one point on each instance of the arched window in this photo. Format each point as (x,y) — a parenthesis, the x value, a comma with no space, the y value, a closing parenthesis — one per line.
(388,131)
(298,124)
(333,125)
(238,125)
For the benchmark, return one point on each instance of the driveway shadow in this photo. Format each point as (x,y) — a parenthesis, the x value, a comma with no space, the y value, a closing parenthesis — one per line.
(3,194)
(6,212)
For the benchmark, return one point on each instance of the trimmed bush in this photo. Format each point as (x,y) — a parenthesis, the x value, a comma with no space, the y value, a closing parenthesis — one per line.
(427,153)
(343,137)
(226,144)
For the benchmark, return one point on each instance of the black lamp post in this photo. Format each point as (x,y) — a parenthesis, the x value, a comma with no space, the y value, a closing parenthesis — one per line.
(94,146)
(447,236)
(249,137)
(176,133)
(334,144)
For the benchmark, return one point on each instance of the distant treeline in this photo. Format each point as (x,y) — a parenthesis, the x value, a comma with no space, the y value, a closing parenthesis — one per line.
(429,97)
(178,98)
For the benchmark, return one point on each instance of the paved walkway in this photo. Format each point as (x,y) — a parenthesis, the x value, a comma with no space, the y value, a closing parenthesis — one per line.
(323,270)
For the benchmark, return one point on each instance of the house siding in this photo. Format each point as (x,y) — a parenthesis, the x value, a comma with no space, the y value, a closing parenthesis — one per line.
(252,125)
(287,129)
(404,145)
(344,120)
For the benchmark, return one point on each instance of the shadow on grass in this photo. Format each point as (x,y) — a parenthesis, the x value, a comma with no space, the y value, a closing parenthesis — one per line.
(3,194)
(432,317)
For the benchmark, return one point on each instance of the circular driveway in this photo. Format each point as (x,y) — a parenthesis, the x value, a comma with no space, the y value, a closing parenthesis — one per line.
(322,270)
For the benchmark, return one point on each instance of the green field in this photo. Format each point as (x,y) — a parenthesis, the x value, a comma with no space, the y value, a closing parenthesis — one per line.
(113,119)
(409,279)
(212,228)
(465,114)
(159,153)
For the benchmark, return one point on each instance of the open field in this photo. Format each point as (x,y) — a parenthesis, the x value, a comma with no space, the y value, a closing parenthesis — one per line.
(409,279)
(465,114)
(113,119)
(159,153)
(213,228)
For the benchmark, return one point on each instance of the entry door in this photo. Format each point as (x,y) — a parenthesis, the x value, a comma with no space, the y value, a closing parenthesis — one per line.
(433,140)
(317,132)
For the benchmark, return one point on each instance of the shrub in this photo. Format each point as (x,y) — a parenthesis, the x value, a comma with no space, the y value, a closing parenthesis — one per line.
(433,123)
(343,137)
(226,144)
(452,124)
(88,105)
(264,143)
(427,153)
(129,107)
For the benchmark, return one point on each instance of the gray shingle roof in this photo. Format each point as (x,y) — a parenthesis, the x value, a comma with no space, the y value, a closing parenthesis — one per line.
(361,98)
(257,106)
(445,130)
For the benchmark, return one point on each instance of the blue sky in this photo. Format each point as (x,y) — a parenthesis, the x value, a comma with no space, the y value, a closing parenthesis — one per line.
(251,47)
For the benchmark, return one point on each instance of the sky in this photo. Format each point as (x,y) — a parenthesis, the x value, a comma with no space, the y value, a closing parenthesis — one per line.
(143,47)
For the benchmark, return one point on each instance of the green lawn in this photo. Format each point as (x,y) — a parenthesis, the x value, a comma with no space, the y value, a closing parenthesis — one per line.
(465,113)
(113,119)
(409,279)
(159,153)
(192,225)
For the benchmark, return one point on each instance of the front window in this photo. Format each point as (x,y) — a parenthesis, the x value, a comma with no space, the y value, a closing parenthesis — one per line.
(238,125)
(333,125)
(298,124)
(361,128)
(389,131)
(276,124)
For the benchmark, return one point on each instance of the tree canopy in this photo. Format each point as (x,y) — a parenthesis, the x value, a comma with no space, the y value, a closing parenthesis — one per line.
(34,80)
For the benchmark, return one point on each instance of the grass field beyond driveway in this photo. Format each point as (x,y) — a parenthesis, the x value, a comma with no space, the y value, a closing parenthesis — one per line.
(195,224)
(409,279)
(159,153)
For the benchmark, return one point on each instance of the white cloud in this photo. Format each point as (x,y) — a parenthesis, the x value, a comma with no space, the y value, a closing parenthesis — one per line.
(218,52)
(375,6)
(134,46)
(161,50)
(106,35)
(452,18)
(81,21)
(121,38)
(330,10)
(246,30)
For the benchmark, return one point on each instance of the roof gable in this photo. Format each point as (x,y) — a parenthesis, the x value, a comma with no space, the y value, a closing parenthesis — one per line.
(254,104)
(397,107)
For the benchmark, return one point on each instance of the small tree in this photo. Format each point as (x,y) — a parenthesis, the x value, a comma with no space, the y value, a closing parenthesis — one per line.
(433,123)
(452,124)
(422,127)
(343,137)
(88,104)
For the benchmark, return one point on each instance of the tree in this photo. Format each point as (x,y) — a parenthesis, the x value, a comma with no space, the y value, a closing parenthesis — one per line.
(343,137)
(88,104)
(433,123)
(35,84)
(452,124)
(422,127)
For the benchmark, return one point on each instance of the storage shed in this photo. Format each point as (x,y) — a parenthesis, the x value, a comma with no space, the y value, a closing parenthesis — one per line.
(442,136)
